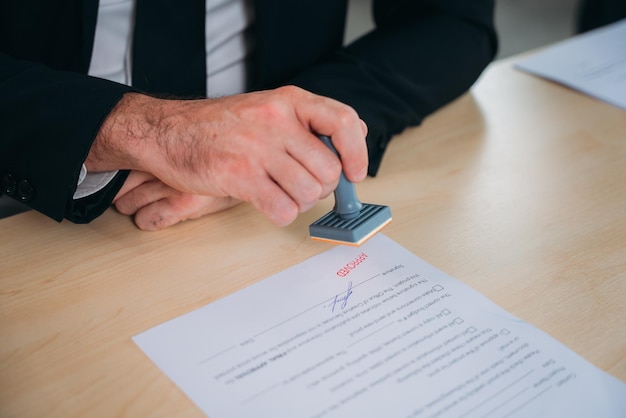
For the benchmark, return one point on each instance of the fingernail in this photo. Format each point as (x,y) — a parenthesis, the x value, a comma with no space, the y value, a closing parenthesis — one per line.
(362,174)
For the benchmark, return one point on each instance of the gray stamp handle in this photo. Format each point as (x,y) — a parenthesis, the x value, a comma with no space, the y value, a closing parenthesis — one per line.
(347,204)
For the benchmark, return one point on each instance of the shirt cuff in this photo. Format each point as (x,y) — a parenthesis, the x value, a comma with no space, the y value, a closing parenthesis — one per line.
(90,183)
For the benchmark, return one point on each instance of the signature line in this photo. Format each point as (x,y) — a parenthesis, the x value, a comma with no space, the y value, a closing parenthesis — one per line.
(325,302)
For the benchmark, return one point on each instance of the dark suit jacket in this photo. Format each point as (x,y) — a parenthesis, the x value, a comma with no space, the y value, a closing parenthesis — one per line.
(592,14)
(422,54)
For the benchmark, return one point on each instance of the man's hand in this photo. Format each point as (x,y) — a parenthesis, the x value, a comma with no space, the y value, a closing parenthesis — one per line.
(157,206)
(257,147)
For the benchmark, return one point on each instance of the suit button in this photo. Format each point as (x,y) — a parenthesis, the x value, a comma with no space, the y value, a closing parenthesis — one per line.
(9,185)
(25,191)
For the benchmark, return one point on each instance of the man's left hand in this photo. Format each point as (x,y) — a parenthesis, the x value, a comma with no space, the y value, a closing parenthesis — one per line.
(157,206)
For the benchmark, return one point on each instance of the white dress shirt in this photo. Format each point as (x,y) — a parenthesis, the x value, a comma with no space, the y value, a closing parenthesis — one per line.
(228,47)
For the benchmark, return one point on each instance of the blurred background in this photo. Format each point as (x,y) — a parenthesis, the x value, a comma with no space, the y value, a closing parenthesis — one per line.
(522,24)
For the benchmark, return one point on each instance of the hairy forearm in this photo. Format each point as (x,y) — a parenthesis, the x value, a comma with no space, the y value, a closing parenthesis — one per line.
(125,134)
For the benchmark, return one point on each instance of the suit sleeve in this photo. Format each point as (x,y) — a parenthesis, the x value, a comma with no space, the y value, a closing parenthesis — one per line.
(420,56)
(48,121)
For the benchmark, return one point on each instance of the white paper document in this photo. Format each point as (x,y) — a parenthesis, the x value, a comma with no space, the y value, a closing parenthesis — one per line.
(593,63)
(373,331)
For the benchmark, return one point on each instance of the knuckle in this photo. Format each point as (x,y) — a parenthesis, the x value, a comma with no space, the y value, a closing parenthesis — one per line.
(182,202)
(309,195)
(331,172)
(290,90)
(272,110)
(346,115)
(330,188)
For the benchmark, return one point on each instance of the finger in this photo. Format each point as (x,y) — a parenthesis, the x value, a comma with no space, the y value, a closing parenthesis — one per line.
(301,186)
(134,179)
(363,127)
(346,130)
(156,216)
(179,207)
(142,195)
(310,152)
(271,200)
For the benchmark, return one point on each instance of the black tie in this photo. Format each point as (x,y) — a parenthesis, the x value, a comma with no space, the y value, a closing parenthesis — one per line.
(168,48)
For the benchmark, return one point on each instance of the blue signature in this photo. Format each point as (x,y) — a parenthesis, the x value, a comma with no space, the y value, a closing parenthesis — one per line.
(343,299)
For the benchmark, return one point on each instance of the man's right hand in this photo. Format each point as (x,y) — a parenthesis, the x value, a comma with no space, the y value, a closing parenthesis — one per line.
(257,147)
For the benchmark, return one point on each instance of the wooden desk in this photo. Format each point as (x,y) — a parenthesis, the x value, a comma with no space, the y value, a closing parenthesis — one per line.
(517,189)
